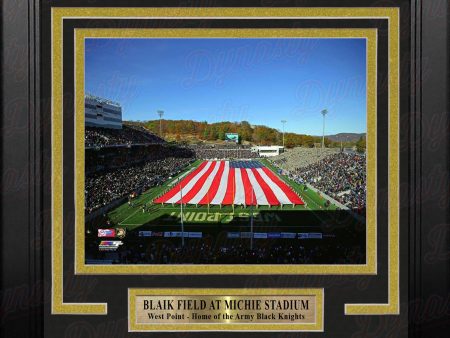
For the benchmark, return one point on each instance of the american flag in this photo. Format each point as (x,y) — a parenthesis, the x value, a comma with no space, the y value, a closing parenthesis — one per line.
(231,183)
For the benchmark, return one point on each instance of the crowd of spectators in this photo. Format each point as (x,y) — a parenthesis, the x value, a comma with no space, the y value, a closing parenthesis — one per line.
(301,157)
(109,158)
(200,251)
(104,187)
(129,134)
(223,151)
(342,176)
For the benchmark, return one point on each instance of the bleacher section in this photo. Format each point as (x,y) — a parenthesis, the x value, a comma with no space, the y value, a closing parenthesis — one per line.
(103,137)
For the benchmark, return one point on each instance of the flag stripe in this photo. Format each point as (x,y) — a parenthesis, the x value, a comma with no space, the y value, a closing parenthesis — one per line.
(211,185)
(231,188)
(271,198)
(164,198)
(248,188)
(259,197)
(219,194)
(186,188)
(198,185)
(214,186)
(283,186)
(204,188)
(280,195)
(239,194)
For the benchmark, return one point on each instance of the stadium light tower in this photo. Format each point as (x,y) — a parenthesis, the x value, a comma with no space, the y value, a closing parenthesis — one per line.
(323,112)
(160,113)
(283,122)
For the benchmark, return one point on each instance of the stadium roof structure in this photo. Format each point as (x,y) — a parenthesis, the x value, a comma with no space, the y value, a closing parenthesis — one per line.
(102,100)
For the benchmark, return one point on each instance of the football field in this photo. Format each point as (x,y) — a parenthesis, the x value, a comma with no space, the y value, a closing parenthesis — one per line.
(145,213)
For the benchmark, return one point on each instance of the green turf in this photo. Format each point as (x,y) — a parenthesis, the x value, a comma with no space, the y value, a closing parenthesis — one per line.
(133,216)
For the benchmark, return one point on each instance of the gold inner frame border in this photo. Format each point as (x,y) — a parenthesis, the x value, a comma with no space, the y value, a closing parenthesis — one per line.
(371,248)
(58,15)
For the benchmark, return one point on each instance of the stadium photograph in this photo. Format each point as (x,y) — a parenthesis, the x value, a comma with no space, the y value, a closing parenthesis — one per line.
(225,151)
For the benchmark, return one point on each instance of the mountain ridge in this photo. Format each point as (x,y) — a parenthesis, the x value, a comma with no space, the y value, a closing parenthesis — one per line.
(345,137)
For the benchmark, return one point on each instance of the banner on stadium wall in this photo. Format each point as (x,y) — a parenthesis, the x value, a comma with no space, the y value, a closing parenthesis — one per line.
(274,235)
(106,233)
(246,235)
(233,235)
(109,245)
(288,235)
(195,235)
(260,235)
(145,233)
(309,235)
(172,234)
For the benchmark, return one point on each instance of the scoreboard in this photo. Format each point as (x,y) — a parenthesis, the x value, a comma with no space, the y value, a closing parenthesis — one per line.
(233,137)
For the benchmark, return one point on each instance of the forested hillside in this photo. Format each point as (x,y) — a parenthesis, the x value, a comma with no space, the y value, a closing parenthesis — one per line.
(189,130)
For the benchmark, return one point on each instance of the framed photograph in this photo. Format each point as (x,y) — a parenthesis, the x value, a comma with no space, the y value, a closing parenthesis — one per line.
(220,195)
(266,168)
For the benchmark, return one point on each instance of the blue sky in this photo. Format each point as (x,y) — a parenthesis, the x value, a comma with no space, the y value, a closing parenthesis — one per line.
(262,81)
